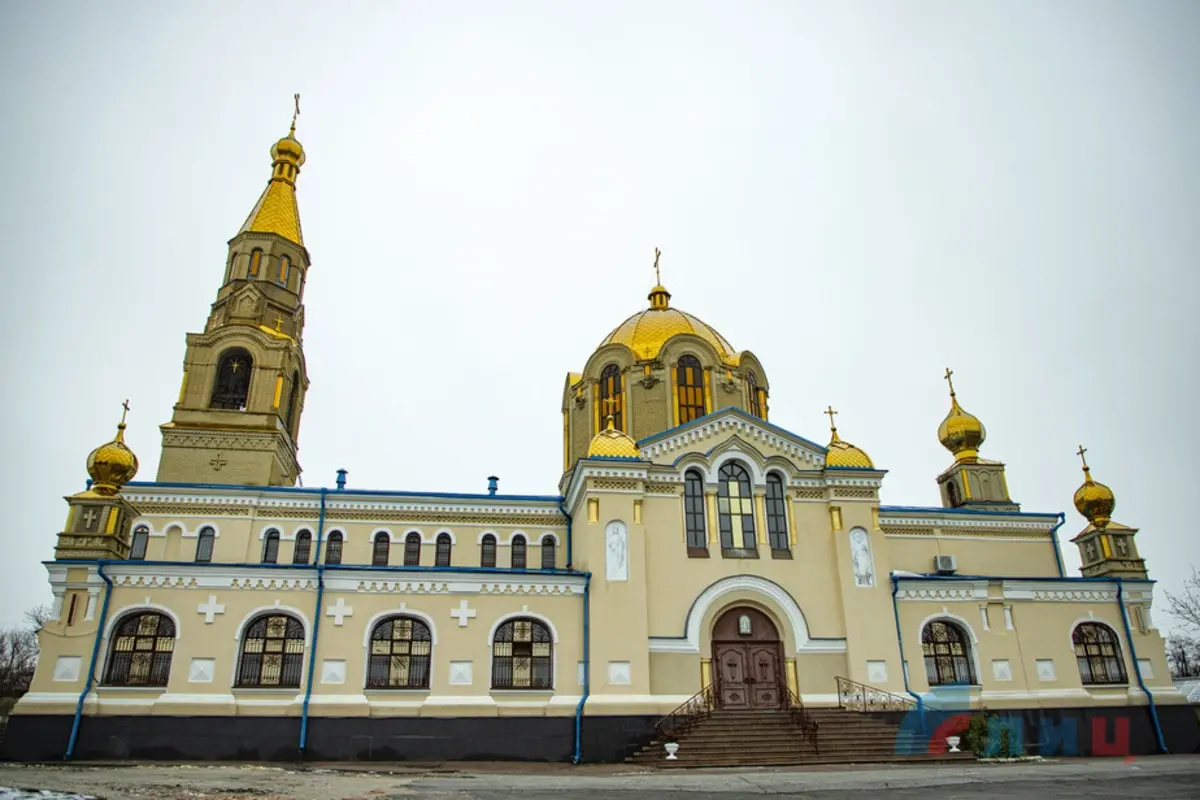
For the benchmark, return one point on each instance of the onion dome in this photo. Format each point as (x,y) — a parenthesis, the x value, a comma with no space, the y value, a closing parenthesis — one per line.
(843,454)
(612,443)
(960,433)
(113,464)
(1093,499)
(276,210)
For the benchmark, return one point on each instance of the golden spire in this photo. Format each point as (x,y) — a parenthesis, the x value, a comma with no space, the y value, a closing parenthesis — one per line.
(840,453)
(112,464)
(960,433)
(276,210)
(832,427)
(659,296)
(1093,499)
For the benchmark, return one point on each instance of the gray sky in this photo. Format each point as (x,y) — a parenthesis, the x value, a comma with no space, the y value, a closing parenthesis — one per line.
(860,193)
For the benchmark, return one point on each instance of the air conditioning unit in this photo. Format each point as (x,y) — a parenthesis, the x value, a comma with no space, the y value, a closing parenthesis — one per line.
(945,565)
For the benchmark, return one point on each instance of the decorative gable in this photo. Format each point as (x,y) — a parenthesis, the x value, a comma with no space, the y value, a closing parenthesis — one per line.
(711,432)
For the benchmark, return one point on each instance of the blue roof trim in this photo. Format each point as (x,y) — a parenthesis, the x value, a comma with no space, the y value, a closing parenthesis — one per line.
(932,577)
(327,567)
(964,511)
(612,458)
(735,411)
(316,491)
(854,469)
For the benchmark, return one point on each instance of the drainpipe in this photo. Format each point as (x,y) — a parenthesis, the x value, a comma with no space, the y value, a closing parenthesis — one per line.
(91,676)
(312,651)
(587,667)
(1137,669)
(570,539)
(1054,539)
(900,642)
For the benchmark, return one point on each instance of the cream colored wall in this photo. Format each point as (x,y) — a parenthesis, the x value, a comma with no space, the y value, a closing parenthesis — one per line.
(1015,554)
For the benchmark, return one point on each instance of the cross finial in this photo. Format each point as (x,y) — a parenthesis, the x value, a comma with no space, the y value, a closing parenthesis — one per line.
(1081,453)
(657,274)
(830,411)
(278,322)
(609,405)
(949,379)
(125,410)
(295,113)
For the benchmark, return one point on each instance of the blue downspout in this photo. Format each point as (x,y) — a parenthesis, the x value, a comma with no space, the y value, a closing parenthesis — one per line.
(91,676)
(1137,669)
(312,651)
(900,642)
(570,539)
(1054,538)
(587,667)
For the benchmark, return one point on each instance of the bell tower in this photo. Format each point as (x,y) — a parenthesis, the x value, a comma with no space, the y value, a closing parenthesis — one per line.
(1106,547)
(237,419)
(970,482)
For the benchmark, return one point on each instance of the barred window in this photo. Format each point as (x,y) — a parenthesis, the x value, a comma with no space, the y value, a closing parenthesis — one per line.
(752,393)
(204,545)
(270,552)
(400,650)
(412,550)
(442,555)
(333,548)
(694,513)
(1098,651)
(272,652)
(612,399)
(518,552)
(137,548)
(548,560)
(522,656)
(232,385)
(487,551)
(381,549)
(689,387)
(303,548)
(947,654)
(777,531)
(735,507)
(142,645)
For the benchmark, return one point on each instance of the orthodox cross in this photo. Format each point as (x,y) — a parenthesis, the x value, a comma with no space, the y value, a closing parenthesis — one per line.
(1080,452)
(949,380)
(657,274)
(89,517)
(278,322)
(218,462)
(463,613)
(609,404)
(831,412)
(295,113)
(125,406)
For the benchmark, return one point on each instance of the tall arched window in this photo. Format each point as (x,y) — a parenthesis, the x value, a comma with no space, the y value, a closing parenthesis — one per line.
(137,547)
(612,399)
(441,556)
(735,507)
(231,387)
(487,551)
(548,552)
(270,553)
(522,656)
(285,264)
(272,652)
(231,270)
(289,418)
(142,645)
(303,548)
(1098,651)
(255,262)
(381,550)
(412,550)
(518,552)
(947,654)
(755,401)
(689,388)
(694,513)
(777,530)
(400,649)
(952,493)
(204,545)
(333,548)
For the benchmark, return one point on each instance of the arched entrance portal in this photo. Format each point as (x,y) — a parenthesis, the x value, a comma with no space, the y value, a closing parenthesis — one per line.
(748,660)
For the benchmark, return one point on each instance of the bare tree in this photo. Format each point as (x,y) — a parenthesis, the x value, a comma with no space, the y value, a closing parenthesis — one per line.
(1185,606)
(1183,656)
(38,616)
(18,657)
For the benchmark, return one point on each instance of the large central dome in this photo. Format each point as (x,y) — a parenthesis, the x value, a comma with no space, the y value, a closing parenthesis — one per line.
(647,331)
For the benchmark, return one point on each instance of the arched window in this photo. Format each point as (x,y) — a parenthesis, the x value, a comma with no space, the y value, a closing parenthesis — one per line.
(255,262)
(735,507)
(689,389)
(272,652)
(522,657)
(381,550)
(442,555)
(412,550)
(137,547)
(518,552)
(752,395)
(303,548)
(289,418)
(952,493)
(612,399)
(947,654)
(231,387)
(270,553)
(333,548)
(487,551)
(1098,651)
(548,552)
(777,530)
(400,648)
(204,545)
(141,651)
(230,271)
(285,264)
(694,513)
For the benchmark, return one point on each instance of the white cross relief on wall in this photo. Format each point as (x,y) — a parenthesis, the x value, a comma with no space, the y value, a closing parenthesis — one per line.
(339,611)
(462,613)
(210,609)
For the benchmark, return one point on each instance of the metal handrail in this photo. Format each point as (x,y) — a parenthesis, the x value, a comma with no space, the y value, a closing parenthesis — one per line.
(694,709)
(800,717)
(855,696)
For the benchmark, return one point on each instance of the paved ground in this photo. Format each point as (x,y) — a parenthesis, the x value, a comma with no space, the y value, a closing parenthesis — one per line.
(1161,778)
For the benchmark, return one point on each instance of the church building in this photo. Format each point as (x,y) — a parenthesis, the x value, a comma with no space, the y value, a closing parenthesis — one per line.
(697,558)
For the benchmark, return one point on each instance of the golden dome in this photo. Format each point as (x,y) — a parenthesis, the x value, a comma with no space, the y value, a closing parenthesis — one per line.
(1093,499)
(843,454)
(612,443)
(647,331)
(288,149)
(961,433)
(113,464)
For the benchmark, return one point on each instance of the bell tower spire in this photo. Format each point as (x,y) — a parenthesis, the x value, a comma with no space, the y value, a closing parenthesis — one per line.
(237,419)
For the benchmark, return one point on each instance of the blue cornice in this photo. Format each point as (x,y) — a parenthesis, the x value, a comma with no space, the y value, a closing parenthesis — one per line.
(316,491)
(964,511)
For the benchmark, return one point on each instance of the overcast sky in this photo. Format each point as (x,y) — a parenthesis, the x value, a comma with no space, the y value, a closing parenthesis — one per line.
(860,193)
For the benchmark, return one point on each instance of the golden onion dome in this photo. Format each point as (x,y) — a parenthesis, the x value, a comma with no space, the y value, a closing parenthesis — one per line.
(960,432)
(840,453)
(612,443)
(112,464)
(288,149)
(1093,499)
(647,331)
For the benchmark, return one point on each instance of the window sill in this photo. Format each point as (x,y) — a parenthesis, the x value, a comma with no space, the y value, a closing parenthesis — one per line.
(104,688)
(1094,686)
(265,689)
(547,692)
(784,554)
(697,552)
(739,552)
(386,692)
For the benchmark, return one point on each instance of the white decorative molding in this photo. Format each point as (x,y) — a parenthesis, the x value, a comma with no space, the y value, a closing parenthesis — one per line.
(66,668)
(401,611)
(202,670)
(616,548)
(877,672)
(942,590)
(620,673)
(339,611)
(1045,670)
(580,672)
(461,673)
(731,422)
(115,617)
(463,613)
(210,608)
(1008,618)
(333,670)
(861,562)
(1001,669)
(1146,667)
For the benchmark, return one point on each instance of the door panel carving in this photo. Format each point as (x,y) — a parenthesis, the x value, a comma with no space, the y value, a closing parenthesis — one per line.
(748,661)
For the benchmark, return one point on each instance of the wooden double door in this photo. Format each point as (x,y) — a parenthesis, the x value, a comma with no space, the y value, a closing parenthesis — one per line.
(747,661)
